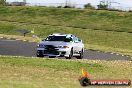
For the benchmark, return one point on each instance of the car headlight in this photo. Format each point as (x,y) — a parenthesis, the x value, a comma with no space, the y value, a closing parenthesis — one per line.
(63,46)
(41,45)
(38,45)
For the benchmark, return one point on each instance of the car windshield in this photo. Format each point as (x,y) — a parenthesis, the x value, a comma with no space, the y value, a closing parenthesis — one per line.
(59,38)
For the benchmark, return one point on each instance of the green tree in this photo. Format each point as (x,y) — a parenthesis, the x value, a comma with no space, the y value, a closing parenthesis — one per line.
(103,5)
(88,6)
(2,2)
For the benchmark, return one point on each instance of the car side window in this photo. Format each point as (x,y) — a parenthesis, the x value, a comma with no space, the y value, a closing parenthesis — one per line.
(75,39)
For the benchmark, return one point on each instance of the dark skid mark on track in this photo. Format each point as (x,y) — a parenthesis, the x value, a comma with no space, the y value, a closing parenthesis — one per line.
(21,48)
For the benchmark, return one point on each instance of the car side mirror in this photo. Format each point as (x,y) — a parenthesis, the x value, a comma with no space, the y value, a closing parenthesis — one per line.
(76,41)
(79,40)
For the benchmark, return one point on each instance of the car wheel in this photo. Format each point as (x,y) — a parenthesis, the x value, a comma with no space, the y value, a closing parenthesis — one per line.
(40,56)
(81,55)
(71,54)
(52,56)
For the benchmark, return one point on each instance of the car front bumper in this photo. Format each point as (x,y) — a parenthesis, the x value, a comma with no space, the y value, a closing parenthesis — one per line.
(59,52)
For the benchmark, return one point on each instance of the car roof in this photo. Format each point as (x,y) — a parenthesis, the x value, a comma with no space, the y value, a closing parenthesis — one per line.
(60,34)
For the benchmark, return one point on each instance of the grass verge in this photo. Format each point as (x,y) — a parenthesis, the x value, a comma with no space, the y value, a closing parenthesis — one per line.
(88,19)
(18,37)
(23,72)
(108,41)
(102,30)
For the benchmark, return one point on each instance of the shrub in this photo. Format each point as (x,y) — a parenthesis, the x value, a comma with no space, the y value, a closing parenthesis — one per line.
(103,5)
(89,6)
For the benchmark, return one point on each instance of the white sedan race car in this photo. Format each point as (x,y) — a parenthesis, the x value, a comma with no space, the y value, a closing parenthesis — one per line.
(61,45)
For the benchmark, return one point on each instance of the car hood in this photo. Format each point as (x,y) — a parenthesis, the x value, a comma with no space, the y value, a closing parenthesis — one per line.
(55,43)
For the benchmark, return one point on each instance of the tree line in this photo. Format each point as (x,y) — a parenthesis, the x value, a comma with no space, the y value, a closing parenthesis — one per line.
(2,2)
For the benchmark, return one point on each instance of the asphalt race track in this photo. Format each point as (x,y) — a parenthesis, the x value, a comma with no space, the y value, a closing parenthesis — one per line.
(23,48)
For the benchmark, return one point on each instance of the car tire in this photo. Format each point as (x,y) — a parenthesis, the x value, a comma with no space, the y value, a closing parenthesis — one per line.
(40,56)
(81,55)
(71,54)
(52,56)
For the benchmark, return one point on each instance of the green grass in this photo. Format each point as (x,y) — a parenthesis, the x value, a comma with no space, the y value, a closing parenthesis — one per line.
(23,72)
(108,31)
(91,19)
(102,30)
(118,42)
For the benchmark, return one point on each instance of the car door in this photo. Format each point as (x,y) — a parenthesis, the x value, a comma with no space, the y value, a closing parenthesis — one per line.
(79,45)
(75,45)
